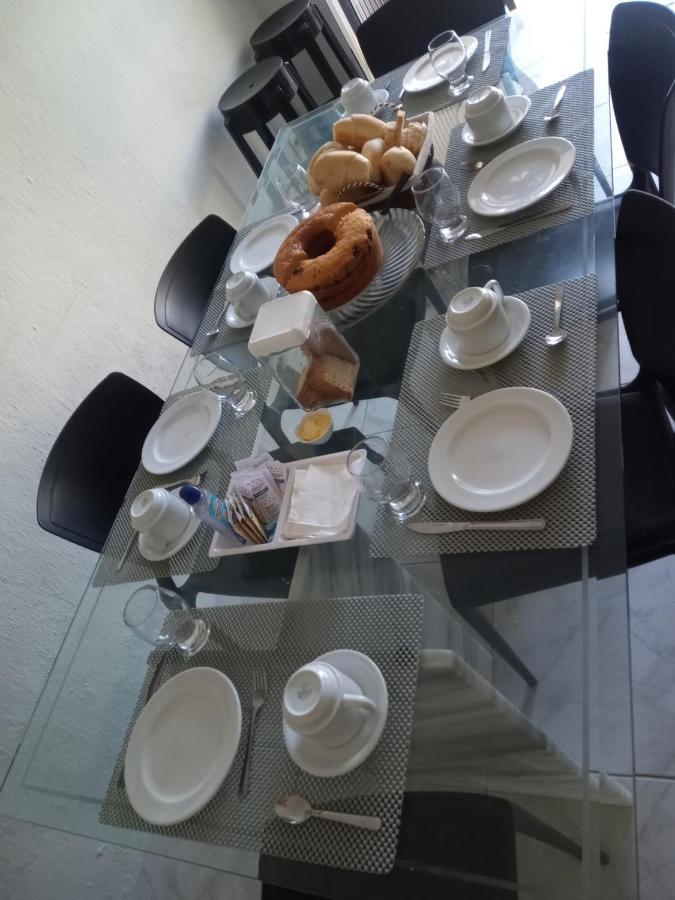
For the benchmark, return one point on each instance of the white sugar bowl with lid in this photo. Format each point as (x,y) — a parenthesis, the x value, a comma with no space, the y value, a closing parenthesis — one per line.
(477,318)
(487,113)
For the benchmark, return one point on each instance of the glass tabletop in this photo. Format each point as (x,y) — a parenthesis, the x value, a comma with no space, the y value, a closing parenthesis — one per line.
(545,749)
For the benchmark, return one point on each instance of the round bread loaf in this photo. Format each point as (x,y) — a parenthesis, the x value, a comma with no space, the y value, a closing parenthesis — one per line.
(335,254)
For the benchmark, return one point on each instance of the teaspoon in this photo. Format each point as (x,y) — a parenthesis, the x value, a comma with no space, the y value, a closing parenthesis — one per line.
(557,334)
(296,810)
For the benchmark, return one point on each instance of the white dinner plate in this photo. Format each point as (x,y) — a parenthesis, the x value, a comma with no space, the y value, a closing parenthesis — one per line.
(521,176)
(329,762)
(500,449)
(182,746)
(181,432)
(519,321)
(258,249)
(519,105)
(421,75)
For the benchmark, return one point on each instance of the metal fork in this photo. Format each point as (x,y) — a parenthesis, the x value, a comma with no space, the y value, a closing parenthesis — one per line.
(259,697)
(454,401)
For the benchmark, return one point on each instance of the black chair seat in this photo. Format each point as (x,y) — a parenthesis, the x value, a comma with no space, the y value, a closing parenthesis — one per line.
(185,288)
(392,36)
(93,460)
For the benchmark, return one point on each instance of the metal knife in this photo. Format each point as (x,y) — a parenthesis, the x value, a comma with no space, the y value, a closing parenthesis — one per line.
(517,220)
(486,50)
(448,527)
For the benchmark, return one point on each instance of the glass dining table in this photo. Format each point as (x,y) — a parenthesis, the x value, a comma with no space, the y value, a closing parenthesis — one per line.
(543,632)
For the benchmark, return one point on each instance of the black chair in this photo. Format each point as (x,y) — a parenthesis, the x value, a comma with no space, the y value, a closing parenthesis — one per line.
(644,247)
(392,36)
(450,845)
(641,72)
(667,157)
(294,28)
(93,460)
(186,284)
(253,100)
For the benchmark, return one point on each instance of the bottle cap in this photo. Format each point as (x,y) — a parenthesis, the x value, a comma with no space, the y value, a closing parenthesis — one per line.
(190,494)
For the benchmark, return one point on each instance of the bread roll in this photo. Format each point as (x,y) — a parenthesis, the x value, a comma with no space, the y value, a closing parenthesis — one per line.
(395,162)
(336,168)
(357,129)
(412,136)
(326,197)
(373,150)
(324,148)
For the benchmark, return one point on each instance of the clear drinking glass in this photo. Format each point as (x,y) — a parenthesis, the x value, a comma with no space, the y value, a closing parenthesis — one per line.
(448,59)
(293,187)
(156,616)
(384,475)
(437,201)
(216,373)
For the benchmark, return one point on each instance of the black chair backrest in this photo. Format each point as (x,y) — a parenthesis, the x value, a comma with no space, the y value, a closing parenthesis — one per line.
(93,460)
(641,72)
(400,31)
(667,162)
(645,283)
(185,287)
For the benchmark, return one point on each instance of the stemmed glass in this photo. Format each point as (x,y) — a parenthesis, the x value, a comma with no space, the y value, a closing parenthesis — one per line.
(385,476)
(448,59)
(294,189)
(216,373)
(147,615)
(438,202)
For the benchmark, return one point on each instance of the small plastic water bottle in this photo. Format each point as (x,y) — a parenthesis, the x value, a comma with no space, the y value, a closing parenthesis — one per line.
(210,509)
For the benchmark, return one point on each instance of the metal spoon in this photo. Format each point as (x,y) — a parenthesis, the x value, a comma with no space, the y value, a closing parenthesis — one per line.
(215,331)
(555,109)
(296,810)
(557,334)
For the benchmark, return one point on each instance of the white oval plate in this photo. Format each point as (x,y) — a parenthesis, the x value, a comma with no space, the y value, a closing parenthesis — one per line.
(519,105)
(519,318)
(500,449)
(329,762)
(521,176)
(181,432)
(421,75)
(182,746)
(258,249)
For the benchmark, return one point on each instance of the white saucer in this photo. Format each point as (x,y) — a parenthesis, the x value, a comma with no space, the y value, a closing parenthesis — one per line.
(234,320)
(258,249)
(175,545)
(422,76)
(328,762)
(519,317)
(181,432)
(182,746)
(500,449)
(519,105)
(381,97)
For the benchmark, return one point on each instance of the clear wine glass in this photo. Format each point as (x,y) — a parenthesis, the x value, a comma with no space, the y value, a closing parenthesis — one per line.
(438,202)
(448,59)
(294,189)
(385,476)
(216,373)
(155,615)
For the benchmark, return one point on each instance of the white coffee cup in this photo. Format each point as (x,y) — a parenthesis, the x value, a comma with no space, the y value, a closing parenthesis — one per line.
(477,318)
(487,113)
(247,293)
(357,96)
(323,703)
(160,517)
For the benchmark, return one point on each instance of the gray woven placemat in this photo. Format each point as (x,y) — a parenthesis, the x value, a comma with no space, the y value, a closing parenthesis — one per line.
(226,335)
(281,637)
(439,97)
(575,123)
(567,372)
(233,439)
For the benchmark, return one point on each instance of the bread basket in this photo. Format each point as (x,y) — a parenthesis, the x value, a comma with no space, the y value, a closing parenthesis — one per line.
(425,158)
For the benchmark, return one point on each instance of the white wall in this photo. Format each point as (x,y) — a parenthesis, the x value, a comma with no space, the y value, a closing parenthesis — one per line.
(111,149)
